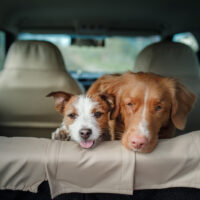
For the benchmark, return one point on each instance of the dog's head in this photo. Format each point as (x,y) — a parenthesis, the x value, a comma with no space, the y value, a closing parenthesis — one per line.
(149,105)
(85,117)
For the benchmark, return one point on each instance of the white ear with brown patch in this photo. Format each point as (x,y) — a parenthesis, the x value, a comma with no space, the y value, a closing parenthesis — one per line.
(182,103)
(60,99)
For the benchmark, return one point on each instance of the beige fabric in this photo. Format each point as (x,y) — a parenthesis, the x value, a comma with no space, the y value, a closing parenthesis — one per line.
(32,70)
(175,60)
(88,171)
(108,168)
(174,163)
(22,163)
(26,162)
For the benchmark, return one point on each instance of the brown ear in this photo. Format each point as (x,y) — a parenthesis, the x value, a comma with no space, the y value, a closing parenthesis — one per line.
(110,100)
(60,99)
(115,111)
(108,84)
(111,85)
(182,103)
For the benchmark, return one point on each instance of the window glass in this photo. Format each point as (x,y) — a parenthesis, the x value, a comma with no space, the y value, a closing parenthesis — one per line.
(118,55)
(188,39)
(2,48)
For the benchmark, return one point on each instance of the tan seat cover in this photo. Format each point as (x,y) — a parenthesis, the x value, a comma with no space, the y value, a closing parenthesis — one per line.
(23,162)
(175,60)
(108,168)
(27,162)
(32,70)
(174,163)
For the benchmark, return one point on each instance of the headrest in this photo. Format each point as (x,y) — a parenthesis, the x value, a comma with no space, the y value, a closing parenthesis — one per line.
(168,59)
(38,55)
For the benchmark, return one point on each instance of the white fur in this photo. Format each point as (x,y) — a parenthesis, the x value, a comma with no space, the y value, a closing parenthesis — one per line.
(143,125)
(56,134)
(85,119)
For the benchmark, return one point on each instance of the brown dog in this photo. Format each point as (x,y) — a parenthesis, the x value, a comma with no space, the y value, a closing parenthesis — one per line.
(148,107)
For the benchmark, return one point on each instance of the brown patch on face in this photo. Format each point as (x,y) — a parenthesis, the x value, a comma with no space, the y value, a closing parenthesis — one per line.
(70,112)
(102,112)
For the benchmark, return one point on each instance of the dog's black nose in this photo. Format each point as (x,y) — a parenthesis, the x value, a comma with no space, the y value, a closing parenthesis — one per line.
(85,133)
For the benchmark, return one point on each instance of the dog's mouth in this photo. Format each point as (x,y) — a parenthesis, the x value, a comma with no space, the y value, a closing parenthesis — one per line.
(87,144)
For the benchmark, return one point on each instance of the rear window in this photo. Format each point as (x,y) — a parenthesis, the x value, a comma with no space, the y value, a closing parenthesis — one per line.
(117,56)
(188,39)
(2,48)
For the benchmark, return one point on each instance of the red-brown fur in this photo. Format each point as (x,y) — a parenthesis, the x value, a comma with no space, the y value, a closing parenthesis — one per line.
(168,105)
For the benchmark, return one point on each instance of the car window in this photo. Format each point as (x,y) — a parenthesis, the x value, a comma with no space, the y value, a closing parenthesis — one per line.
(188,39)
(117,56)
(2,48)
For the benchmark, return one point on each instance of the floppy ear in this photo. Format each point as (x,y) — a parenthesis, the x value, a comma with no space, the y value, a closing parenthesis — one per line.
(182,103)
(109,99)
(113,108)
(108,84)
(115,111)
(111,86)
(60,99)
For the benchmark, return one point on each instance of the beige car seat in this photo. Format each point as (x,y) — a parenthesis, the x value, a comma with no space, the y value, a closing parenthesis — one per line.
(175,60)
(32,70)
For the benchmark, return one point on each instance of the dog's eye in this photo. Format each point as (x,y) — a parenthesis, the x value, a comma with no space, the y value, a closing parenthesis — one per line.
(72,115)
(98,114)
(129,104)
(157,108)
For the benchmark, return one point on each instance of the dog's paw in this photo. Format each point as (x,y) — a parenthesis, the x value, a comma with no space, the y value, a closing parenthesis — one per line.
(60,134)
(55,135)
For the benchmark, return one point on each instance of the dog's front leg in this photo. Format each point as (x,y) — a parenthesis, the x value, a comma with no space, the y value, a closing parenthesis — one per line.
(60,134)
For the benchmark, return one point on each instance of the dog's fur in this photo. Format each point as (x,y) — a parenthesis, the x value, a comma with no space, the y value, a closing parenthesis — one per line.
(85,117)
(148,107)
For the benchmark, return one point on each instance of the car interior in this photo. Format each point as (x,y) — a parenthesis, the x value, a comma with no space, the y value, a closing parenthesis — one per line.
(62,45)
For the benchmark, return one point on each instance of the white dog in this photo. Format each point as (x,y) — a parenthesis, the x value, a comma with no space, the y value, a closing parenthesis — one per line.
(85,117)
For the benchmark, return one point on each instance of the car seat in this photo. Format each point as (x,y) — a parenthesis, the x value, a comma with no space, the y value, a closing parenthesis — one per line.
(176,60)
(32,70)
